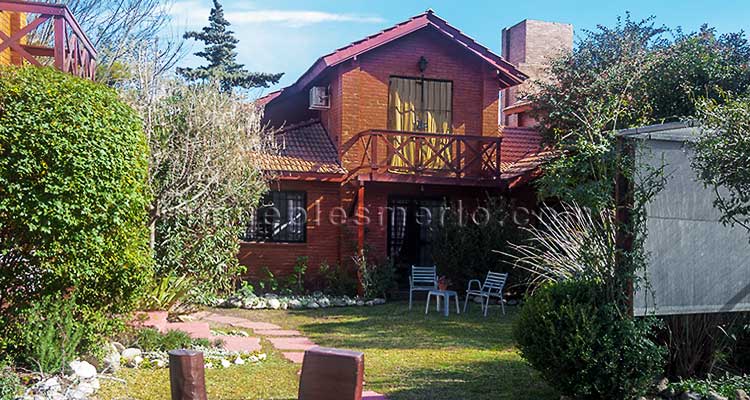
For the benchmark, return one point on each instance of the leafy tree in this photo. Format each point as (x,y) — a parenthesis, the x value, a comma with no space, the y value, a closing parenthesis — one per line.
(73,201)
(221,56)
(628,75)
(722,155)
(201,171)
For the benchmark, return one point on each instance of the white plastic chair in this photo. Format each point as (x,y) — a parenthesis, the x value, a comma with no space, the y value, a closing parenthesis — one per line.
(422,279)
(492,287)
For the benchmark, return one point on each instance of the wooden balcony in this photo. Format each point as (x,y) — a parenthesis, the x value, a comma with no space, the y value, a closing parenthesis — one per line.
(69,50)
(418,157)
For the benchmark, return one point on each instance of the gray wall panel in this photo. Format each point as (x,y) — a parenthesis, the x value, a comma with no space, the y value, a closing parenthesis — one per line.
(696,263)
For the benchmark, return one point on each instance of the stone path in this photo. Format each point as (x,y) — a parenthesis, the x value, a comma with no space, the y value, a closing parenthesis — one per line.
(291,343)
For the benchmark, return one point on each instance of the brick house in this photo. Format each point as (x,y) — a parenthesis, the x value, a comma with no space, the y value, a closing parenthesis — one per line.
(401,121)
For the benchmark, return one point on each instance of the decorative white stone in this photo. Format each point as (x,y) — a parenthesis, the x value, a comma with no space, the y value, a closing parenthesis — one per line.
(239,360)
(112,361)
(378,301)
(130,353)
(50,385)
(82,369)
(313,304)
(225,363)
(274,303)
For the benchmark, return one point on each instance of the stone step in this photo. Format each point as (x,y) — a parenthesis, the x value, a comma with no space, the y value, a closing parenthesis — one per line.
(196,330)
(255,325)
(294,356)
(291,343)
(240,343)
(277,332)
(370,395)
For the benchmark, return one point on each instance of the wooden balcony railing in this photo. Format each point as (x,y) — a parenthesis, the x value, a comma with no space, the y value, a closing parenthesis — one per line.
(71,50)
(430,156)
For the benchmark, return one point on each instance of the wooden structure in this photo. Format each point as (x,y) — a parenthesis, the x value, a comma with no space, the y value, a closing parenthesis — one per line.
(70,50)
(389,155)
(332,374)
(186,375)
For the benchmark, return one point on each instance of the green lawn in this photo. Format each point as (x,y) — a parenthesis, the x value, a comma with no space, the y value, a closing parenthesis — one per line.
(407,356)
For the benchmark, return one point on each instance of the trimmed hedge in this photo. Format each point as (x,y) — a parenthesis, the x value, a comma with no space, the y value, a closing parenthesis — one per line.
(585,348)
(73,200)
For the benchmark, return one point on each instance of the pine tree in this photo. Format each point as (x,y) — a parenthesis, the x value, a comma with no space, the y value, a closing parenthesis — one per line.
(219,51)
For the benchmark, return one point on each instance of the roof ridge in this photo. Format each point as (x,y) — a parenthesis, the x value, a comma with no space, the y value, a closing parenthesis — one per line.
(298,125)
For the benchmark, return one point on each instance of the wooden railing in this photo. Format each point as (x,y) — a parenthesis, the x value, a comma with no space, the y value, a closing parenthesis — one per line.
(454,156)
(71,50)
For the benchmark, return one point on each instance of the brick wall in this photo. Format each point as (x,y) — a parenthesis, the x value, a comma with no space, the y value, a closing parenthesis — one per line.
(321,245)
(529,45)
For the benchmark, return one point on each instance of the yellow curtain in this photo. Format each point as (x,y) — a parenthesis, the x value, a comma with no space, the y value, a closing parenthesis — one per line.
(420,105)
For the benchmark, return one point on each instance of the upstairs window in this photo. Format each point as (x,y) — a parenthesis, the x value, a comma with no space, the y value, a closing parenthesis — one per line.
(423,105)
(281,218)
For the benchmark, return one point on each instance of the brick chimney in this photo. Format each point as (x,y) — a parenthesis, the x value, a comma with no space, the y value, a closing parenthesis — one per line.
(529,45)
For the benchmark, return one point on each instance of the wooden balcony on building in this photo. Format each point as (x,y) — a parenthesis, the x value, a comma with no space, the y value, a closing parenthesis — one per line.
(69,50)
(419,157)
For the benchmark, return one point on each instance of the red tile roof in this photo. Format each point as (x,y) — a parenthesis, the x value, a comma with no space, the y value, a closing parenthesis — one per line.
(521,151)
(304,147)
(509,75)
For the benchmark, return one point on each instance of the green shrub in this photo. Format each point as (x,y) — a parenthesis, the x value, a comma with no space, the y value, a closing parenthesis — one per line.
(464,250)
(202,248)
(725,386)
(9,382)
(149,339)
(337,281)
(73,201)
(165,293)
(585,348)
(52,335)
(377,279)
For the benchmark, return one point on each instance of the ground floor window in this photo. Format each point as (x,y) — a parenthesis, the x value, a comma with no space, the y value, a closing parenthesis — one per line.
(281,217)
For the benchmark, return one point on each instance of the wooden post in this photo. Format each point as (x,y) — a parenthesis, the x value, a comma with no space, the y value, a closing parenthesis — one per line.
(186,376)
(60,42)
(623,204)
(332,374)
(360,233)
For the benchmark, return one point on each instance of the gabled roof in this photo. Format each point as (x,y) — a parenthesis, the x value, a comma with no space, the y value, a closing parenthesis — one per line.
(303,147)
(507,73)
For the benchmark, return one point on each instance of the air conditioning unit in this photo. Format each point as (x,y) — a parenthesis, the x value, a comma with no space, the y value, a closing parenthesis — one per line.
(319,98)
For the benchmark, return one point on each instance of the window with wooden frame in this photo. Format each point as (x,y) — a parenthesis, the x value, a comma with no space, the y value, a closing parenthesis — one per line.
(420,105)
(423,105)
(281,218)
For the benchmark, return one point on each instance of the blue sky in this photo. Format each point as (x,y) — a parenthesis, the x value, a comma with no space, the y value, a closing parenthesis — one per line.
(289,35)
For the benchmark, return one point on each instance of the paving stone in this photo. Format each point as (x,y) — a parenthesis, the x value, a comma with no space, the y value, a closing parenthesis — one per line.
(277,332)
(294,356)
(240,343)
(221,319)
(370,395)
(196,330)
(291,343)
(255,325)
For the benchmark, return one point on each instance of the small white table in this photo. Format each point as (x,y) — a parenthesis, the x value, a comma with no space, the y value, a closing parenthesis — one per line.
(446,295)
